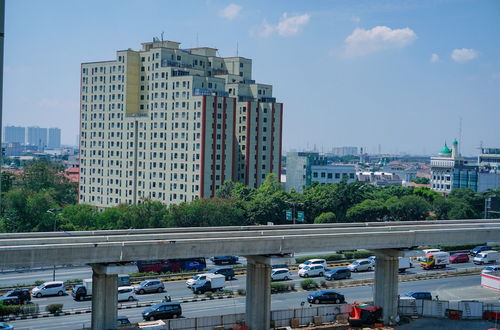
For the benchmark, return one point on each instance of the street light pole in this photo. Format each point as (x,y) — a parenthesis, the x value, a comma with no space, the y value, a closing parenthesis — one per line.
(51,211)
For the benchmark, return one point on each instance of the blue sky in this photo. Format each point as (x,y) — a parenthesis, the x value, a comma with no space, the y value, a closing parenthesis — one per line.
(396,73)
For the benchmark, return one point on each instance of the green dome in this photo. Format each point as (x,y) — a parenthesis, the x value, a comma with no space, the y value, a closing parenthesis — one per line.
(445,150)
(455,142)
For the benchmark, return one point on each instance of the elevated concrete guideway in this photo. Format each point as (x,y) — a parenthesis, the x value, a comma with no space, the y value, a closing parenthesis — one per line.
(102,249)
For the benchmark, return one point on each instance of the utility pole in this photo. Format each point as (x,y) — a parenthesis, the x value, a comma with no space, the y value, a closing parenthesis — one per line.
(2,30)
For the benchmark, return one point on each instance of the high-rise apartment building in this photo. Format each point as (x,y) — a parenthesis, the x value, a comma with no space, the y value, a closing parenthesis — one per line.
(36,136)
(54,138)
(173,125)
(14,134)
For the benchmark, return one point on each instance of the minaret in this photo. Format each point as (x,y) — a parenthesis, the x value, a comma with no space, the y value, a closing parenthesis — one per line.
(454,149)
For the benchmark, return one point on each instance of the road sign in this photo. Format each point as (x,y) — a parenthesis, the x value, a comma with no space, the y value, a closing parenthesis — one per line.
(300,216)
(289,215)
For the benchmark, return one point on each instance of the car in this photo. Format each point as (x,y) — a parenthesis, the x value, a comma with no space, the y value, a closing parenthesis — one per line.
(219,260)
(326,296)
(5,326)
(490,269)
(48,289)
(162,311)
(16,297)
(195,279)
(361,265)
(122,320)
(479,249)
(424,295)
(126,293)
(373,259)
(313,270)
(310,262)
(456,258)
(149,286)
(280,274)
(337,273)
(228,272)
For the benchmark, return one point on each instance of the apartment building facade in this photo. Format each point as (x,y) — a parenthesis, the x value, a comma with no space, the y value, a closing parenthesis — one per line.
(173,125)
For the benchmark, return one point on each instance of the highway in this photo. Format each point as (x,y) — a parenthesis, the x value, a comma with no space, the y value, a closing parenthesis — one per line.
(454,288)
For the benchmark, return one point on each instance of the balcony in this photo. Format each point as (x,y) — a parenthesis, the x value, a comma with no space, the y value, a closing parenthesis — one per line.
(166,63)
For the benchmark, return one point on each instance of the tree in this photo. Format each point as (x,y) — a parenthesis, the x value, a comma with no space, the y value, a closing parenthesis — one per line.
(421,180)
(327,217)
(475,200)
(367,211)
(407,208)
(79,217)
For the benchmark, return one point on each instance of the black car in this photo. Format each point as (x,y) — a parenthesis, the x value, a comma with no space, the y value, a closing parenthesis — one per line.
(338,273)
(162,311)
(326,297)
(479,249)
(16,297)
(122,320)
(219,260)
(228,272)
(424,295)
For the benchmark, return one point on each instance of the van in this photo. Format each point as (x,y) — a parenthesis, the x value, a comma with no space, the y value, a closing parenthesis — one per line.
(126,293)
(162,311)
(338,273)
(228,272)
(48,289)
(123,280)
(486,257)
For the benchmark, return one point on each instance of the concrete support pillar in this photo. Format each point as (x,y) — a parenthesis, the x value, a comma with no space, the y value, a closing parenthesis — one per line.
(104,299)
(258,295)
(386,283)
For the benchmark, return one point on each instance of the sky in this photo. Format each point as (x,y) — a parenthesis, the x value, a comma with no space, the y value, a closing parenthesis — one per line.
(396,75)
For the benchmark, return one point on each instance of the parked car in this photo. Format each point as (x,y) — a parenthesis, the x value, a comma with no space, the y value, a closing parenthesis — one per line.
(337,273)
(456,258)
(219,260)
(361,265)
(126,293)
(424,295)
(48,289)
(486,257)
(313,262)
(326,296)
(478,249)
(313,270)
(228,272)
(5,326)
(149,286)
(280,274)
(490,269)
(162,311)
(16,297)
(122,320)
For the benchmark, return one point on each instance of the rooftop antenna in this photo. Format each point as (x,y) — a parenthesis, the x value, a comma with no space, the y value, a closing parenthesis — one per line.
(162,38)
(237,53)
(459,135)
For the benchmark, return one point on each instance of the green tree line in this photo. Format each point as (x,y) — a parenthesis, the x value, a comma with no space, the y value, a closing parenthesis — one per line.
(27,198)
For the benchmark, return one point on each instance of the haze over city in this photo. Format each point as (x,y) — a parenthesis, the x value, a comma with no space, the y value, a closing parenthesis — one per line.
(389,73)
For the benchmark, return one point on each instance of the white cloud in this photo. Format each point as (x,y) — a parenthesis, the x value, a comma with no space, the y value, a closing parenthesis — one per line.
(231,11)
(463,55)
(287,26)
(363,42)
(434,58)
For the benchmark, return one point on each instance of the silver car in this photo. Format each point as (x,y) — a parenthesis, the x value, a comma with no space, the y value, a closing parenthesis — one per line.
(149,286)
(361,265)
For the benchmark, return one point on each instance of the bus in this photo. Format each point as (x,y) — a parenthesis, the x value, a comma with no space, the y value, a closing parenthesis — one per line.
(171,265)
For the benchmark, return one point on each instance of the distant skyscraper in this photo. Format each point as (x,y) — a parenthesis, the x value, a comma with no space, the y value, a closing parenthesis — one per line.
(54,138)
(345,151)
(14,134)
(37,136)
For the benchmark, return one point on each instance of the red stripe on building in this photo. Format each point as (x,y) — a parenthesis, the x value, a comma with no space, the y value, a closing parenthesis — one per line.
(234,144)
(281,140)
(257,128)
(271,149)
(203,132)
(247,154)
(214,150)
(223,143)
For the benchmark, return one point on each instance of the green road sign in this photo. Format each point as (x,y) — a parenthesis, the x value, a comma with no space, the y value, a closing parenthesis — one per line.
(300,216)
(289,216)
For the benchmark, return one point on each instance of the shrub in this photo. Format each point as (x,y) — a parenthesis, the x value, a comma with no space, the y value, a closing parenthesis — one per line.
(209,294)
(228,292)
(459,247)
(144,274)
(54,308)
(38,282)
(308,284)
(279,287)
(9,309)
(358,254)
(242,292)
(328,257)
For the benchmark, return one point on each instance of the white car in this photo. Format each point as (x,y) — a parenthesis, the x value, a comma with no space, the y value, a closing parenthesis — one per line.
(490,269)
(313,262)
(126,293)
(313,270)
(48,289)
(280,274)
(361,265)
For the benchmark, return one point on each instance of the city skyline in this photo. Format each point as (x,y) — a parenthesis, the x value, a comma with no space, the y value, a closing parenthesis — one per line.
(398,75)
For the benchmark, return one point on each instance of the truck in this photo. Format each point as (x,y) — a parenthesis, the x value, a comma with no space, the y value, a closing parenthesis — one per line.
(84,290)
(404,264)
(211,282)
(435,260)
(486,257)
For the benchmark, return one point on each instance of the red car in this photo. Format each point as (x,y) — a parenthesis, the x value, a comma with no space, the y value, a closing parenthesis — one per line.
(456,258)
